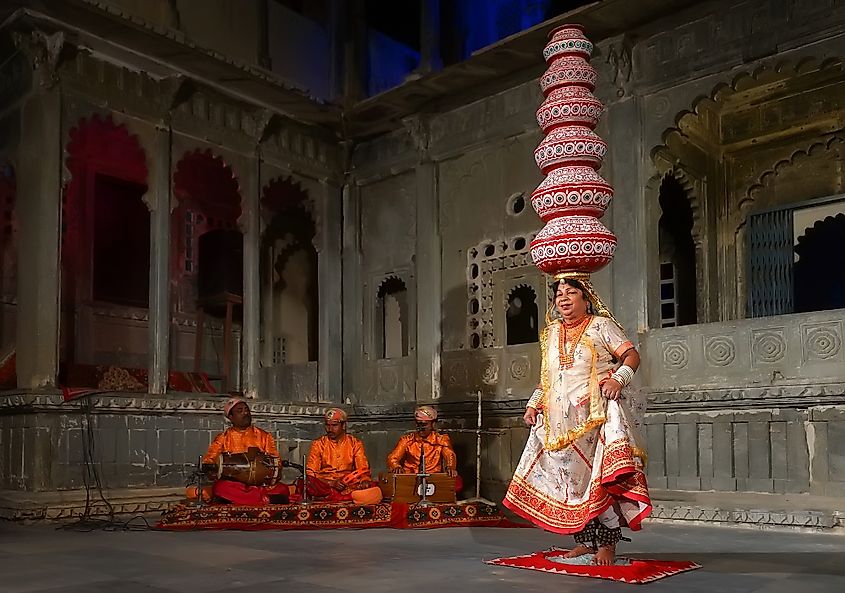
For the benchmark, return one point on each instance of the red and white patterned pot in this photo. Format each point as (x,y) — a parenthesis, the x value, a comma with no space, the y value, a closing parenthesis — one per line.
(571,191)
(568,71)
(570,145)
(573,105)
(573,243)
(567,40)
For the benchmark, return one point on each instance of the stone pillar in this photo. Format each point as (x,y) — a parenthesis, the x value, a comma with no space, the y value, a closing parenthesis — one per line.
(330,283)
(430,36)
(428,267)
(251,223)
(159,202)
(353,309)
(39,173)
(629,217)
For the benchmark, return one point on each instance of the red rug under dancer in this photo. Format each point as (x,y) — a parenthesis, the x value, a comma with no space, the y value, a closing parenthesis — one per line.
(633,570)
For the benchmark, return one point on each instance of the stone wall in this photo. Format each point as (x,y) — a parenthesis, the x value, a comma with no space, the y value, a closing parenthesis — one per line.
(745,412)
(144,441)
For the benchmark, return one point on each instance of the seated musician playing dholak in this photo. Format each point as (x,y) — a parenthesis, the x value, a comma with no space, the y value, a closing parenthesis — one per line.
(437,448)
(337,465)
(238,438)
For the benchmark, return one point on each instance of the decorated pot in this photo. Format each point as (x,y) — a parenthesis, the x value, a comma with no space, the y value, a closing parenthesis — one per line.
(568,71)
(571,191)
(573,105)
(570,145)
(567,40)
(573,244)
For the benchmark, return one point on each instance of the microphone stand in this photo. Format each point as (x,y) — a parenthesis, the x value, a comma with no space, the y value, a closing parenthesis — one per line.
(478,432)
(423,475)
(304,502)
(200,475)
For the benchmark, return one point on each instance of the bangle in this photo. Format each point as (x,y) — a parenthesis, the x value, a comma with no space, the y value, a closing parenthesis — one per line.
(623,375)
(535,399)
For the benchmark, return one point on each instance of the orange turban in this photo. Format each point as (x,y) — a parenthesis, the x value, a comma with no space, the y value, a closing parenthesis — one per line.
(227,407)
(335,415)
(425,414)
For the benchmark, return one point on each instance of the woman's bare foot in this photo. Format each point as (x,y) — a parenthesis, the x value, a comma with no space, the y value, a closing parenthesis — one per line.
(579,550)
(605,556)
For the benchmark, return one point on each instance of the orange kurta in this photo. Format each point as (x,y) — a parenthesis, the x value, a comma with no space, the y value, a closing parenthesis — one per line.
(438,453)
(233,440)
(330,460)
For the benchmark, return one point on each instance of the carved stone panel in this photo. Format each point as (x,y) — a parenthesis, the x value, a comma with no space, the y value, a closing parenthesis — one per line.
(771,352)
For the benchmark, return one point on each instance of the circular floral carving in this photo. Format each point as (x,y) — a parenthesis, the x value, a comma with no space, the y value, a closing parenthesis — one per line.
(520,368)
(719,351)
(490,375)
(388,380)
(457,373)
(675,355)
(769,347)
(823,342)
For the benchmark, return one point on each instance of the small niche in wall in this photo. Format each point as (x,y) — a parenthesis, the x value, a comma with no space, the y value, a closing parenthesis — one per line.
(392,319)
(516,204)
(522,316)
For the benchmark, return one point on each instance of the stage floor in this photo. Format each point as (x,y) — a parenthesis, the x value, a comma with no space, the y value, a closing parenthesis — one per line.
(37,559)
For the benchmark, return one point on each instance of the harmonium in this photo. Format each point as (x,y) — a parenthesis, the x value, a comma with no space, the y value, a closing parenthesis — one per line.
(409,488)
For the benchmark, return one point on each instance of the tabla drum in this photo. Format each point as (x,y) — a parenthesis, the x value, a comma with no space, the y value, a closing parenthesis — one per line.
(408,487)
(252,468)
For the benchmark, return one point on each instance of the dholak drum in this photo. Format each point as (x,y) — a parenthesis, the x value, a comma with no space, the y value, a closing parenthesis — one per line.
(408,487)
(252,468)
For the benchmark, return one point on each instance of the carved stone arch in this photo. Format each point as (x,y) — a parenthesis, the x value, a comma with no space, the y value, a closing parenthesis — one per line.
(519,286)
(96,145)
(696,142)
(99,143)
(392,284)
(742,82)
(207,174)
(283,191)
(388,282)
(691,188)
(521,326)
(768,177)
(288,231)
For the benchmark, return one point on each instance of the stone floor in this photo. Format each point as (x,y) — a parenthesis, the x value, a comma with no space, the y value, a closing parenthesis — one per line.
(42,558)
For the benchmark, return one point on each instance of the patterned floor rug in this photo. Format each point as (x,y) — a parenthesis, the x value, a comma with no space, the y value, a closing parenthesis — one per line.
(334,516)
(627,570)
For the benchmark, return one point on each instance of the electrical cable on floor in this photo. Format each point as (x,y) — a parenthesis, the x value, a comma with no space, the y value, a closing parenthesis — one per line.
(94,486)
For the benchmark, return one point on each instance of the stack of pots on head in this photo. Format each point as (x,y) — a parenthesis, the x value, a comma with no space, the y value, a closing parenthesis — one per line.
(572,197)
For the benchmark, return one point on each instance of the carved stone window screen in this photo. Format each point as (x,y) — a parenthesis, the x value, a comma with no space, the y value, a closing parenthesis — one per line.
(483,260)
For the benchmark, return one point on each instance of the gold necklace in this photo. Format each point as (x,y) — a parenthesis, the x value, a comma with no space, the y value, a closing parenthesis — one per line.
(572,331)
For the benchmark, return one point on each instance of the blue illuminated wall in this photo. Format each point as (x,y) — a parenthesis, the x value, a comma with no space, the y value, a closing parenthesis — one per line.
(483,22)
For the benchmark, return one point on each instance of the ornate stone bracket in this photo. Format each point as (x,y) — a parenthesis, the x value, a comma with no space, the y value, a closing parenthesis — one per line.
(420,134)
(44,52)
(620,60)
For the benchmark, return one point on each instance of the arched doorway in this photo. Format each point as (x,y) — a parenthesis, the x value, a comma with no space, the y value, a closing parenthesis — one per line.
(105,252)
(677,256)
(207,261)
(289,290)
(392,323)
(522,316)
(821,250)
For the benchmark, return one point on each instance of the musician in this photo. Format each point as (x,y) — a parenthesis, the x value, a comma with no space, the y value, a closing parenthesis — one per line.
(436,447)
(239,437)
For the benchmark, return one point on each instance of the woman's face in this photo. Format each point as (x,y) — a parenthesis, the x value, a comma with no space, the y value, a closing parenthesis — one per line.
(570,302)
